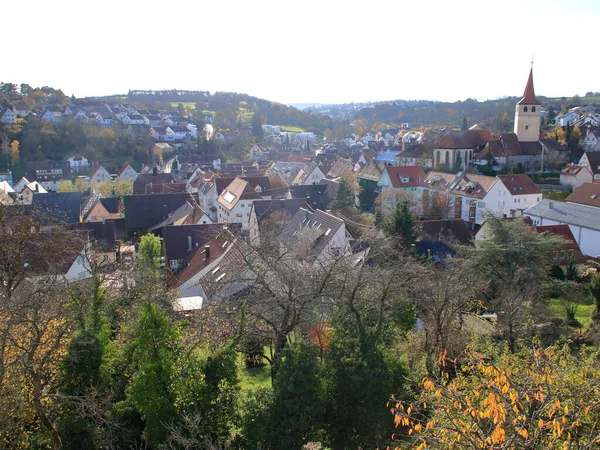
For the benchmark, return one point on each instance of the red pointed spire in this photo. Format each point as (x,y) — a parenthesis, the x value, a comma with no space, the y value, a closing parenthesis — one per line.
(529,94)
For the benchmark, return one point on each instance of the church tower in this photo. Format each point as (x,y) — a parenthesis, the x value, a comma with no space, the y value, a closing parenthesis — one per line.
(527,114)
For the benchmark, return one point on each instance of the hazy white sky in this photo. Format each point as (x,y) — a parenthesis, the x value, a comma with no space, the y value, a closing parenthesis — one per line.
(326,51)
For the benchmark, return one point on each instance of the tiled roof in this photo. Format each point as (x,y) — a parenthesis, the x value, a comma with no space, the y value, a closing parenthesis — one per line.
(587,194)
(472,185)
(111,204)
(176,242)
(519,184)
(317,195)
(264,208)
(165,188)
(463,139)
(414,174)
(238,189)
(594,160)
(439,181)
(312,229)
(139,185)
(145,211)
(529,94)
(57,206)
(371,171)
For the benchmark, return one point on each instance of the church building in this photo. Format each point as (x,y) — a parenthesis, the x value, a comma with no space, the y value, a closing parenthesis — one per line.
(464,148)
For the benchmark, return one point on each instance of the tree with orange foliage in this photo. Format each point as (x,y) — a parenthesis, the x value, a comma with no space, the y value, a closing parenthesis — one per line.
(493,398)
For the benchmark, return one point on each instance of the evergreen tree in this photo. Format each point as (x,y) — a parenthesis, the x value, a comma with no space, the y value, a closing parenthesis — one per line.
(297,411)
(458,163)
(257,130)
(401,223)
(344,197)
(465,124)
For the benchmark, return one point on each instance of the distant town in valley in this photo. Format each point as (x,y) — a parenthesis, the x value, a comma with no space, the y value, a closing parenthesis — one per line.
(179,266)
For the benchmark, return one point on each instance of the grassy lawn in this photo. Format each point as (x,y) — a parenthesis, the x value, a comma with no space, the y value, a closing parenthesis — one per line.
(256,377)
(291,129)
(185,104)
(583,314)
(245,114)
(558,196)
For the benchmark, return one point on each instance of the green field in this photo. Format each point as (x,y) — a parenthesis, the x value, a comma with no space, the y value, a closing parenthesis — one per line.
(291,129)
(583,314)
(185,104)
(578,100)
(256,377)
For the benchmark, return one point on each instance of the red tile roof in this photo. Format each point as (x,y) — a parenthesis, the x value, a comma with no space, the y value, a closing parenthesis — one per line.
(529,94)
(587,194)
(459,139)
(415,175)
(519,184)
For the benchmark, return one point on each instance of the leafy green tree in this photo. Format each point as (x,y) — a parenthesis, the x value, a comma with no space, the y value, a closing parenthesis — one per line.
(401,223)
(150,251)
(344,197)
(153,368)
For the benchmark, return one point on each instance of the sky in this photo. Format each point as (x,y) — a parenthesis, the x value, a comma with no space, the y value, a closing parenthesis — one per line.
(290,51)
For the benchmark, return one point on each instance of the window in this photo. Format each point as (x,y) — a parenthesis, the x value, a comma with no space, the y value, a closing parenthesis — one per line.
(562,254)
(571,253)
(238,215)
(533,109)
(527,127)
(525,109)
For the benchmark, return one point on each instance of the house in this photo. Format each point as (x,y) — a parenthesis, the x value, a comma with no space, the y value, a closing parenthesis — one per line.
(311,174)
(56,207)
(288,172)
(587,194)
(583,221)
(472,196)
(258,152)
(109,208)
(143,179)
(341,167)
(591,161)
(5,199)
(105,118)
(316,195)
(509,150)
(190,213)
(305,137)
(447,230)
(591,139)
(98,174)
(574,175)
(569,250)
(399,182)
(7,116)
(457,148)
(438,251)
(143,212)
(166,188)
(182,243)
(49,173)
(105,239)
(26,194)
(5,187)
(21,110)
(133,119)
(564,119)
(78,163)
(235,202)
(6,175)
(315,237)
(415,155)
(279,210)
(126,172)
(21,185)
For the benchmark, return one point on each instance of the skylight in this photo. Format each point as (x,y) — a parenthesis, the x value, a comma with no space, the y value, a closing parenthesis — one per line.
(229,197)
(215,270)
(220,277)
(328,231)
(594,196)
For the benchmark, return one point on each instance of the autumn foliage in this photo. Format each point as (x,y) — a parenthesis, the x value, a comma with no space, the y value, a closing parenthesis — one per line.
(492,398)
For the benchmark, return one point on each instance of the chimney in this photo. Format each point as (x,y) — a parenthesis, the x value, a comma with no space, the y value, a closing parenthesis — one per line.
(155,169)
(207,252)
(189,244)
(551,204)
(282,204)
